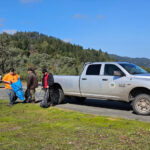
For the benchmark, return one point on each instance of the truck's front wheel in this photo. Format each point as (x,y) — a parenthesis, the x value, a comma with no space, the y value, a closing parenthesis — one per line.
(58,95)
(141,104)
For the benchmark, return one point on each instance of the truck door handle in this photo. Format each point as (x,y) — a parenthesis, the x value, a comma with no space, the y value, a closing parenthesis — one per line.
(84,78)
(105,79)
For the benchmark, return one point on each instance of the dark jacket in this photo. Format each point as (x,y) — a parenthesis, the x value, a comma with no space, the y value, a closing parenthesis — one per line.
(50,80)
(32,81)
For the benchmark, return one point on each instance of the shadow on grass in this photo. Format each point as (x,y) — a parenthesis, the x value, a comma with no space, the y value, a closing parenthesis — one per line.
(102,104)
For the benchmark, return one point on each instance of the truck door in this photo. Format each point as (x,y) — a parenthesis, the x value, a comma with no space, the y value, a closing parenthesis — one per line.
(90,81)
(113,86)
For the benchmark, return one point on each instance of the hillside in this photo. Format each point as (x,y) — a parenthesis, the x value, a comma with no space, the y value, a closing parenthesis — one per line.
(145,62)
(32,49)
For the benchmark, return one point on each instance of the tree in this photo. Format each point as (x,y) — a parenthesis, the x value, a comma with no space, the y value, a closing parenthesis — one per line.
(4,40)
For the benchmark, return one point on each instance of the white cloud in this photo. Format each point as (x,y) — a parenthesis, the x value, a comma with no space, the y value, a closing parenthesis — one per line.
(1,22)
(67,40)
(29,1)
(10,31)
(80,16)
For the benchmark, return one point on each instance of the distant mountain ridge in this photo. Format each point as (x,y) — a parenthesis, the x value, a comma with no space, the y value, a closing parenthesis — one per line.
(145,62)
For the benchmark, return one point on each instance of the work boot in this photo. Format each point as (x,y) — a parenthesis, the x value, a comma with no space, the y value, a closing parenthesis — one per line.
(33,101)
(10,105)
(51,105)
(25,101)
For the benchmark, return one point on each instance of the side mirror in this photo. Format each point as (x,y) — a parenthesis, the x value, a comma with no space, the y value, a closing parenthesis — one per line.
(118,73)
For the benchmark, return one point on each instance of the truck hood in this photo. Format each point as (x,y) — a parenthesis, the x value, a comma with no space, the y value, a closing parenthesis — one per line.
(142,76)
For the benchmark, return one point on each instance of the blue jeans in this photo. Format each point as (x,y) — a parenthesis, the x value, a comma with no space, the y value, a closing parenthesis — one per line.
(11,95)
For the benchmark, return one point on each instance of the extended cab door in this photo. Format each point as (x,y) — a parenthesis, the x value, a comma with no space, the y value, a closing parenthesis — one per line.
(113,86)
(90,81)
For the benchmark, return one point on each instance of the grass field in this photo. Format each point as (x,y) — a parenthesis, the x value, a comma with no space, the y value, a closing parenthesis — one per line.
(29,127)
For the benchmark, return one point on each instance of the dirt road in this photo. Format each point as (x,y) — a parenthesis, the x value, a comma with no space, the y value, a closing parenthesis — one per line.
(104,108)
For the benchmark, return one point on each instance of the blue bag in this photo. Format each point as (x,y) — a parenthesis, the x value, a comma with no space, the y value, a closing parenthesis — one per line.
(18,89)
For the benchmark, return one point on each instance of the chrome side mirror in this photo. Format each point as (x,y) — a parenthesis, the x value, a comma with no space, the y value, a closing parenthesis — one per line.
(118,73)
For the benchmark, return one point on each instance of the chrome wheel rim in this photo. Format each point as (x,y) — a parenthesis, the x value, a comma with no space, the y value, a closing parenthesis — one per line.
(143,105)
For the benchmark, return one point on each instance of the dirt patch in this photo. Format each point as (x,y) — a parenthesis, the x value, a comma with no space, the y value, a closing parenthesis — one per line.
(9,129)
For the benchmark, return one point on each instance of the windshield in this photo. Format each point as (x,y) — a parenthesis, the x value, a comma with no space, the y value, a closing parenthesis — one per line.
(133,69)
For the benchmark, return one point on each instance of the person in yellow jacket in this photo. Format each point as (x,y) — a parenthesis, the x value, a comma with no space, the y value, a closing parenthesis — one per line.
(9,78)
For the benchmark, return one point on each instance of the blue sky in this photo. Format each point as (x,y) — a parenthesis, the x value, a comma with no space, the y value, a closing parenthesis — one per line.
(120,27)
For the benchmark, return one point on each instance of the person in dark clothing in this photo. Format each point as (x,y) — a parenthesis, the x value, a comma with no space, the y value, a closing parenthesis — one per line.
(47,83)
(32,84)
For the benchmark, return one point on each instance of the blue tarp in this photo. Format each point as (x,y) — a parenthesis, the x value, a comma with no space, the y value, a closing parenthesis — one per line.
(18,89)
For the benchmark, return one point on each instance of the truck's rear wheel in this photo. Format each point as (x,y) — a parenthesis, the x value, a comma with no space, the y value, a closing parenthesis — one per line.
(141,104)
(58,95)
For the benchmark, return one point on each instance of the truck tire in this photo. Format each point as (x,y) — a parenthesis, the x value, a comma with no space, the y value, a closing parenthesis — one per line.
(58,95)
(80,99)
(141,104)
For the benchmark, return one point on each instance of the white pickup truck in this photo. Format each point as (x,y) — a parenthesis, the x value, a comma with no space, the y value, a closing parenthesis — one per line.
(0,78)
(119,81)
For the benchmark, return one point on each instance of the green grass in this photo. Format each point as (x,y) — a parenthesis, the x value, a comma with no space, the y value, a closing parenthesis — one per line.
(29,127)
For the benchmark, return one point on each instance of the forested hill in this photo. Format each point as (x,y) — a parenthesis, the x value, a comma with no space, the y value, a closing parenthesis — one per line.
(145,62)
(31,49)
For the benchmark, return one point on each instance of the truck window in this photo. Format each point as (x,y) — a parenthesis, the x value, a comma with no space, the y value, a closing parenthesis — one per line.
(93,69)
(109,69)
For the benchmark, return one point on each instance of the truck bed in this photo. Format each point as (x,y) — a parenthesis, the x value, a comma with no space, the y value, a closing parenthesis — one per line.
(70,84)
